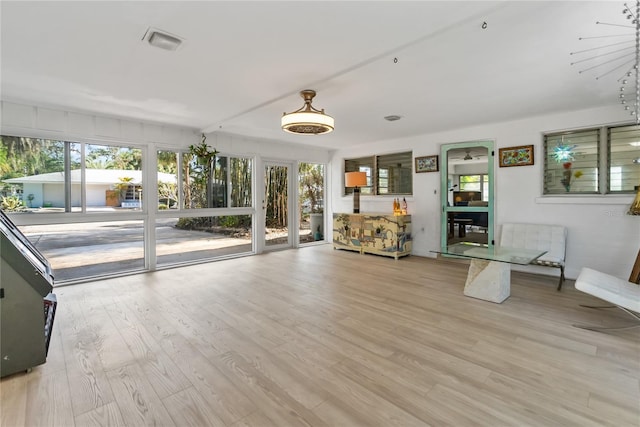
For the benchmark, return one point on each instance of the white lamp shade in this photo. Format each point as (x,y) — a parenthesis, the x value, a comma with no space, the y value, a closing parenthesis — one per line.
(355,179)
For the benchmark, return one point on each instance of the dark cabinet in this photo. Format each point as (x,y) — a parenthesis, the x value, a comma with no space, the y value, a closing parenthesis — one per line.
(27,307)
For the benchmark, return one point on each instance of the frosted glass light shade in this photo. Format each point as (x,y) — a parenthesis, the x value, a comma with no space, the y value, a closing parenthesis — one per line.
(307,122)
(355,180)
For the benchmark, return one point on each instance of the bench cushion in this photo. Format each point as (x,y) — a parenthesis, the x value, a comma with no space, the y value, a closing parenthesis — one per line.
(609,288)
(551,238)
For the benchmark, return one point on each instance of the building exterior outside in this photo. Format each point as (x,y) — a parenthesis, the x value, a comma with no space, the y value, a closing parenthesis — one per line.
(104,187)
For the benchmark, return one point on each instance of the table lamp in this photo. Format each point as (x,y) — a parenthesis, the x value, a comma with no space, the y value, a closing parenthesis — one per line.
(355,180)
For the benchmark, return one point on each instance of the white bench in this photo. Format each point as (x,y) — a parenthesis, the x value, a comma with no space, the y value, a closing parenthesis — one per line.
(551,238)
(619,292)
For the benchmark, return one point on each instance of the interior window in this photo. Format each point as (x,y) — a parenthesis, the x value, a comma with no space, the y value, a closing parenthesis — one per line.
(571,162)
(477,183)
(363,164)
(623,149)
(394,173)
(389,174)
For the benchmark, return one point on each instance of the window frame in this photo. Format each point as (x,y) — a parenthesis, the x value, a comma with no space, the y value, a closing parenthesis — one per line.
(78,161)
(223,180)
(634,168)
(483,182)
(603,167)
(371,165)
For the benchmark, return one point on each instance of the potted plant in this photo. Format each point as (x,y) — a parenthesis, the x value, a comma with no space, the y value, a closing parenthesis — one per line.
(318,234)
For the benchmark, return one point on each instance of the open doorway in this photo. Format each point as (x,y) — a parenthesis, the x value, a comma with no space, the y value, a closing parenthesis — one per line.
(467,192)
(277,206)
(311,219)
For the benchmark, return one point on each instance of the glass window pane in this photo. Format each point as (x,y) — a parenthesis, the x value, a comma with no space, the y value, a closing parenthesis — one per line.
(623,148)
(32,174)
(181,240)
(220,180)
(363,164)
(192,183)
(387,174)
(167,180)
(229,184)
(83,250)
(113,180)
(485,188)
(478,183)
(241,170)
(395,173)
(571,162)
(75,153)
(470,182)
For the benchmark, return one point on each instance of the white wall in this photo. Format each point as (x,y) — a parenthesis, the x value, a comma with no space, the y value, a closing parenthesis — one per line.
(51,193)
(267,149)
(53,123)
(36,190)
(472,169)
(601,236)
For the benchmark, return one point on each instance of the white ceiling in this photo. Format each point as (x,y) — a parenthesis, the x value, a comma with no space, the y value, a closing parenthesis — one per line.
(242,64)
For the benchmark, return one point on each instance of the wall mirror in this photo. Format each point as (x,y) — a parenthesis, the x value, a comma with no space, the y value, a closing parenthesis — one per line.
(467,192)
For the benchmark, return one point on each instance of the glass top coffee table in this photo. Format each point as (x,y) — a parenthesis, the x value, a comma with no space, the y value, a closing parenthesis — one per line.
(489,276)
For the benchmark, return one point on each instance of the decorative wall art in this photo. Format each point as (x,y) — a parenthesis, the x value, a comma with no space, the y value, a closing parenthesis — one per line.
(427,164)
(516,156)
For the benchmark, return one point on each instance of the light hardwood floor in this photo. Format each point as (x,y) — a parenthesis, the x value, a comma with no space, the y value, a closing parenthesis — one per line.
(322,337)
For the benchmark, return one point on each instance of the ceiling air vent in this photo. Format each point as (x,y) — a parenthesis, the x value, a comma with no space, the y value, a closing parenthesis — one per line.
(162,39)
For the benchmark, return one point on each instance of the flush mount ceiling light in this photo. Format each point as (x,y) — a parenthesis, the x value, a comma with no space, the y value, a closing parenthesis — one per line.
(392,118)
(307,120)
(162,39)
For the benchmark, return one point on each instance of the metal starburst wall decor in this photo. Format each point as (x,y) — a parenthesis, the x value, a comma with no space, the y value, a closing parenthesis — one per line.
(621,56)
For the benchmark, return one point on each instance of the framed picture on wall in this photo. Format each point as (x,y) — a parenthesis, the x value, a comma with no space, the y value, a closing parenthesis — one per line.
(427,164)
(516,156)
